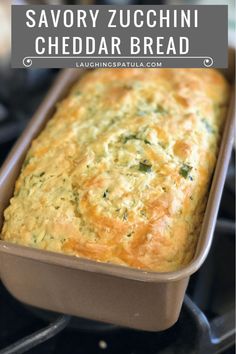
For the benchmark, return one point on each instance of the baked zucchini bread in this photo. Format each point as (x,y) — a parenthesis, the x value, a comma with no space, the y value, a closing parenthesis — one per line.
(121,172)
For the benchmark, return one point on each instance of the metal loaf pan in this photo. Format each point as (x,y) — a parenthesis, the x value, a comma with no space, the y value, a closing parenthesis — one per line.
(80,287)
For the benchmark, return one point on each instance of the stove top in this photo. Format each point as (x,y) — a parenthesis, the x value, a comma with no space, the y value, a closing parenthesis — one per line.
(206,323)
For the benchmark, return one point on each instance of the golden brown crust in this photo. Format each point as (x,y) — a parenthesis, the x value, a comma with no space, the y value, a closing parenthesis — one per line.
(122,170)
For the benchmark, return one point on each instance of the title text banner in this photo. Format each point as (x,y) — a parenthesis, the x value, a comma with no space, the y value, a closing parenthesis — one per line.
(119,36)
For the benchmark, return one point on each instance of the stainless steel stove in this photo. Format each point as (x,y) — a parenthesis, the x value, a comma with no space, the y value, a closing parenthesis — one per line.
(206,324)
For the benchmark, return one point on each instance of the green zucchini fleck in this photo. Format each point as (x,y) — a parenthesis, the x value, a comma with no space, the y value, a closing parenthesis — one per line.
(185,170)
(208,126)
(147,142)
(130,234)
(159,109)
(105,194)
(130,137)
(26,162)
(145,166)
(134,137)
(125,215)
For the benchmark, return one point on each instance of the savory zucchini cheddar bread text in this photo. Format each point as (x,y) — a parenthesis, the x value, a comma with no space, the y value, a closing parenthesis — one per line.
(121,172)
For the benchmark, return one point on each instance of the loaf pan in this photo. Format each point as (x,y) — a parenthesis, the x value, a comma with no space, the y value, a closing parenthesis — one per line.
(109,293)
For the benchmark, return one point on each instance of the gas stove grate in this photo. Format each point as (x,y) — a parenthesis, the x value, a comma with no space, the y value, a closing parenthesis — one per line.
(212,337)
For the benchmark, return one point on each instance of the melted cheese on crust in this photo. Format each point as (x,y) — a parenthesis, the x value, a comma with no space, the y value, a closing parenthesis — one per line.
(121,172)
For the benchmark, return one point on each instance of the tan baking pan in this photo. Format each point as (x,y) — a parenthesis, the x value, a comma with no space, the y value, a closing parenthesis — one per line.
(80,287)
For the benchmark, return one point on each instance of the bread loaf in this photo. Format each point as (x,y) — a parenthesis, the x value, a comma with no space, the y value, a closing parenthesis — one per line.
(122,171)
